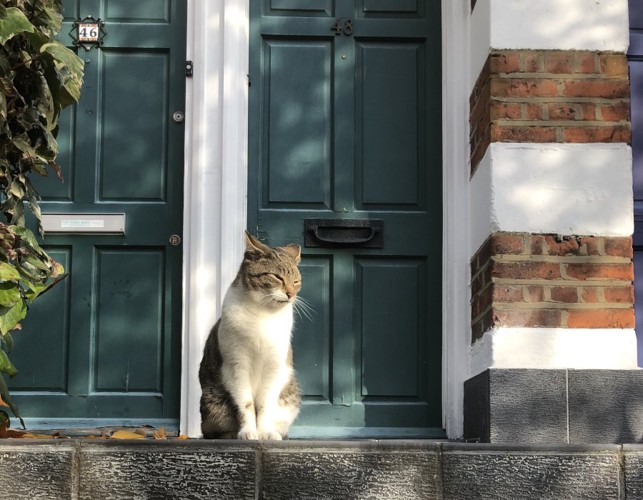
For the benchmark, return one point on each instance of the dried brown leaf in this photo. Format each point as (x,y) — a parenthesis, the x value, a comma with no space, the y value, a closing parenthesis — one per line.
(160,434)
(122,434)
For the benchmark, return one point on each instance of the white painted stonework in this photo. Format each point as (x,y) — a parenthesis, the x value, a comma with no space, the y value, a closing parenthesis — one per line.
(567,189)
(548,25)
(215,178)
(554,348)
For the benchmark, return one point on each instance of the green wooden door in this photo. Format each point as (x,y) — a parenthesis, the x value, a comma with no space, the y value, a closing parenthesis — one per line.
(345,124)
(105,343)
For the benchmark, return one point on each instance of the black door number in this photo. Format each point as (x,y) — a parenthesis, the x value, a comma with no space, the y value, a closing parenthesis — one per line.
(343,27)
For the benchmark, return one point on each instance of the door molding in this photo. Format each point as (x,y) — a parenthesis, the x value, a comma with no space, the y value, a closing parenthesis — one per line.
(215,178)
(216,189)
(455,209)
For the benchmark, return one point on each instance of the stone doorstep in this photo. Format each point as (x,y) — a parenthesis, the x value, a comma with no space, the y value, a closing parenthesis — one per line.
(156,469)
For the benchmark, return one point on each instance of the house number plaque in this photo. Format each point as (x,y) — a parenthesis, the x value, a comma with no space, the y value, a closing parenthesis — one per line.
(88,32)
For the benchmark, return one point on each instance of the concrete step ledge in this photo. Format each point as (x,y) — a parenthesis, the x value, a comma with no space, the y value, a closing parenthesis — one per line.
(195,469)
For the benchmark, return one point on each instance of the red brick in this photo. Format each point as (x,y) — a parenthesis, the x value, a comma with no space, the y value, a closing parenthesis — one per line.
(508,293)
(589,246)
(619,247)
(586,62)
(531,61)
(522,134)
(617,133)
(505,62)
(533,111)
(505,110)
(613,64)
(484,253)
(481,302)
(535,293)
(601,318)
(506,244)
(526,270)
(480,107)
(588,110)
(591,271)
(561,111)
(619,111)
(537,244)
(481,280)
(528,317)
(567,294)
(523,87)
(589,295)
(559,62)
(568,246)
(597,88)
(621,294)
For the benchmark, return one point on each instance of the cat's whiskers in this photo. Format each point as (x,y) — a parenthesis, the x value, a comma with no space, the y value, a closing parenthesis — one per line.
(303,308)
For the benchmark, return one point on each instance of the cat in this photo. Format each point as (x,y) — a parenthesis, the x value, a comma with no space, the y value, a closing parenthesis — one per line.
(249,388)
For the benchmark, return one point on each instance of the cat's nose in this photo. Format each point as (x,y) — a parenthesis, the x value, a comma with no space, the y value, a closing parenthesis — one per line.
(289,294)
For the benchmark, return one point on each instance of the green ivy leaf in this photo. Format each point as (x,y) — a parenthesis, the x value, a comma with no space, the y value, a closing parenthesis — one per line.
(8,341)
(69,70)
(6,366)
(8,272)
(5,395)
(11,316)
(13,23)
(9,294)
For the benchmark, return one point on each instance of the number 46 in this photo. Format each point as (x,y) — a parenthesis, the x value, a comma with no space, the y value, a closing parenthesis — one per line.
(343,26)
(88,32)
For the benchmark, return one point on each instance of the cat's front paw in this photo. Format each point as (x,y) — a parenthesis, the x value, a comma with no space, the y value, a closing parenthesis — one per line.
(270,436)
(247,434)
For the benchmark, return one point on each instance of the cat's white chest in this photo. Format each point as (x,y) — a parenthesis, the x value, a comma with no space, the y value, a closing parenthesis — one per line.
(256,343)
(273,330)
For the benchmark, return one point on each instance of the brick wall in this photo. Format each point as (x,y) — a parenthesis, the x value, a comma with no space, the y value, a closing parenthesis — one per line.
(549,96)
(540,280)
(549,281)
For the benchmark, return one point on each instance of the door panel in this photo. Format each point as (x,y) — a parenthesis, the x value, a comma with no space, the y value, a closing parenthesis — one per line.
(298,174)
(137,368)
(105,343)
(390,342)
(346,125)
(389,175)
(143,162)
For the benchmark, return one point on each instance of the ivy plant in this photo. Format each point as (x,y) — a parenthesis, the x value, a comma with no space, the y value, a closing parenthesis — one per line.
(39,77)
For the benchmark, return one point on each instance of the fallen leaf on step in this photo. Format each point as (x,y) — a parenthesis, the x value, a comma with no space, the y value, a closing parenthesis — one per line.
(160,434)
(121,434)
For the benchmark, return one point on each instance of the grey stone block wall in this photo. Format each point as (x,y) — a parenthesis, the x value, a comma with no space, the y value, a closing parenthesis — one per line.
(166,470)
(554,406)
(41,470)
(198,469)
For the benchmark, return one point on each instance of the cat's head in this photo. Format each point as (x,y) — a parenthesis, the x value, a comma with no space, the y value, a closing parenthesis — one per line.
(270,275)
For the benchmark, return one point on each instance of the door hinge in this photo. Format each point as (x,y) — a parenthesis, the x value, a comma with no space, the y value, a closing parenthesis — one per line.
(188,69)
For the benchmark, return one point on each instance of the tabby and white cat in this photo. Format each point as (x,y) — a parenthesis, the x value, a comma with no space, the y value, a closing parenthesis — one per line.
(249,389)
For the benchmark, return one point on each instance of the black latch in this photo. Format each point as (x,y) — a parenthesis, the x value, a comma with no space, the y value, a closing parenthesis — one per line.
(360,233)
(188,68)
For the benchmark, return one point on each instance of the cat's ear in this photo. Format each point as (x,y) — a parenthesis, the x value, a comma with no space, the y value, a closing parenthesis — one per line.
(254,245)
(294,251)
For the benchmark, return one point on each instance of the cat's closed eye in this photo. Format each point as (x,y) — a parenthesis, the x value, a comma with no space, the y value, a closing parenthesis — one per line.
(276,277)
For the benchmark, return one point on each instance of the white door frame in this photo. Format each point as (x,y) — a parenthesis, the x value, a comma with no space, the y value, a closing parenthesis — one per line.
(216,188)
